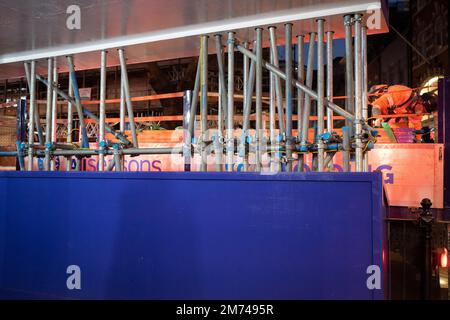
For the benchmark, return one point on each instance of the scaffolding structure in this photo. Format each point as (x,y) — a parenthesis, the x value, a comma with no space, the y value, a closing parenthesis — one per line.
(228,145)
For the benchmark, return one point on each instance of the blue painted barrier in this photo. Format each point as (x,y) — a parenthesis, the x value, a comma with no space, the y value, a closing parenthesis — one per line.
(190,235)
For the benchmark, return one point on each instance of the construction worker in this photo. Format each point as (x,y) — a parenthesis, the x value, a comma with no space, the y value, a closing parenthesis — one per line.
(397,100)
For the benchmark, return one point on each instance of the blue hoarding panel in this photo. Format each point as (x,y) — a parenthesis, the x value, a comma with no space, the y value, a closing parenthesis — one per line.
(189,235)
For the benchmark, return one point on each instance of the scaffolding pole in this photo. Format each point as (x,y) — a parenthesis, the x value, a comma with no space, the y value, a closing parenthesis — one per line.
(37,118)
(365,109)
(31,115)
(278,90)
(349,73)
(126,88)
(204,102)
(358,94)
(300,94)
(102,118)
(288,87)
(330,89)
(307,105)
(258,89)
(54,118)
(76,93)
(247,109)
(48,117)
(321,94)
(69,124)
(230,104)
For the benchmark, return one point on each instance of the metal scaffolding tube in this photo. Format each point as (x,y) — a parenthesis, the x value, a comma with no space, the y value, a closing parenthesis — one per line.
(346,149)
(300,94)
(321,94)
(330,89)
(218,136)
(69,124)
(111,165)
(83,132)
(272,114)
(101,133)
(122,107)
(194,103)
(126,88)
(54,126)
(278,90)
(349,84)
(117,160)
(94,152)
(204,102)
(330,76)
(31,115)
(230,104)
(365,109)
(288,87)
(247,109)
(245,71)
(48,117)
(258,91)
(301,79)
(358,94)
(37,118)
(221,77)
(309,82)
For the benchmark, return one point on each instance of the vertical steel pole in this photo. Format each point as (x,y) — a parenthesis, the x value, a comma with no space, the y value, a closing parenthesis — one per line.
(320,94)
(48,116)
(365,111)
(122,106)
(230,101)
(31,115)
(126,88)
(309,82)
(194,102)
(37,119)
(245,71)
(222,88)
(76,93)
(258,89)
(330,75)
(273,141)
(330,90)
(278,89)
(288,86)
(346,149)
(218,136)
(358,93)
(300,93)
(54,110)
(69,123)
(248,99)
(301,79)
(117,158)
(187,137)
(101,134)
(204,102)
(349,83)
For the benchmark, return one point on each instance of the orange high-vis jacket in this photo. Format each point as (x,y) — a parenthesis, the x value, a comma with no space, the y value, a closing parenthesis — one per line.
(395,100)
